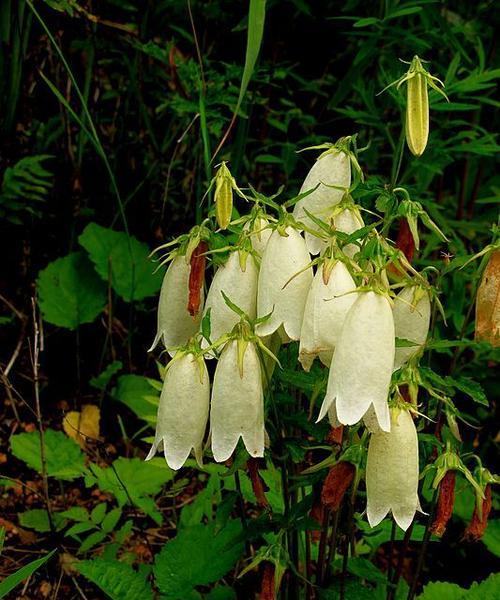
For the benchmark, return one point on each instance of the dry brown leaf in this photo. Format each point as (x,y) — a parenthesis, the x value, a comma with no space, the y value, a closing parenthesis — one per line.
(488,303)
(80,426)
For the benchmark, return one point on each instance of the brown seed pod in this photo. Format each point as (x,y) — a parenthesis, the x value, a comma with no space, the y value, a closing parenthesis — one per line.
(196,277)
(477,526)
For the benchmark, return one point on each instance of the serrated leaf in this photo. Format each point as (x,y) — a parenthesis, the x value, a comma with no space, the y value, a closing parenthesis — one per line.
(76,513)
(78,528)
(92,540)
(70,293)
(469,387)
(38,519)
(132,479)
(98,513)
(111,519)
(64,458)
(197,556)
(139,395)
(116,579)
(101,381)
(123,259)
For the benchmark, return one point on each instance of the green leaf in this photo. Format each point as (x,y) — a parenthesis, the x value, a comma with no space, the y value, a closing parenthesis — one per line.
(111,519)
(139,395)
(469,387)
(197,556)
(116,579)
(439,590)
(101,381)
(132,479)
(98,513)
(64,458)
(491,537)
(221,592)
(38,519)
(123,259)
(76,513)
(92,540)
(70,292)
(78,528)
(23,573)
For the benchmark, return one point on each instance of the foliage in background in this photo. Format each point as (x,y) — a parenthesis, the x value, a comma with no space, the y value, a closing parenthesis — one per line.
(95,176)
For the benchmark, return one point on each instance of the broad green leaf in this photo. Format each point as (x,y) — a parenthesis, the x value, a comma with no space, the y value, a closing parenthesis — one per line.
(38,519)
(111,520)
(123,259)
(139,395)
(70,292)
(116,579)
(441,590)
(91,541)
(221,592)
(76,513)
(16,578)
(132,479)
(64,458)
(197,556)
(98,513)
(491,537)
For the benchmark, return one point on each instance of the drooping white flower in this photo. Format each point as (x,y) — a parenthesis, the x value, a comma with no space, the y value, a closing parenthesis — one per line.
(260,234)
(284,282)
(175,324)
(348,221)
(237,408)
(361,369)
(240,286)
(183,410)
(392,471)
(331,169)
(326,309)
(412,315)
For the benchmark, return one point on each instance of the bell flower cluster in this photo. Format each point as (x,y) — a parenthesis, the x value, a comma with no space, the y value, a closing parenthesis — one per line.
(315,275)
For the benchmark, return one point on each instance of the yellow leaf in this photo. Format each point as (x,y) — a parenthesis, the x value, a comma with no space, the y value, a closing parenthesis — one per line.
(80,426)
(488,303)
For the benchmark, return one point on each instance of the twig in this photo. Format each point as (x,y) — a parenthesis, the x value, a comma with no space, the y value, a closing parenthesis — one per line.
(35,363)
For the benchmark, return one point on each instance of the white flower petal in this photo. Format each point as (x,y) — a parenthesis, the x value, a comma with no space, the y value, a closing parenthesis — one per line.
(412,315)
(237,403)
(183,411)
(281,291)
(392,472)
(325,312)
(175,324)
(260,235)
(331,169)
(240,287)
(361,369)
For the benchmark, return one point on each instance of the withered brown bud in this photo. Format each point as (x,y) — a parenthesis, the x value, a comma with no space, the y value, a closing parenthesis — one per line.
(196,278)
(267,583)
(445,503)
(477,526)
(257,485)
(336,484)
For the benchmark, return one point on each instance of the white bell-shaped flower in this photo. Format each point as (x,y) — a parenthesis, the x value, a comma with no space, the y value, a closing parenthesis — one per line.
(237,401)
(348,221)
(259,234)
(412,315)
(392,471)
(175,324)
(361,369)
(284,282)
(331,169)
(239,284)
(183,410)
(326,308)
